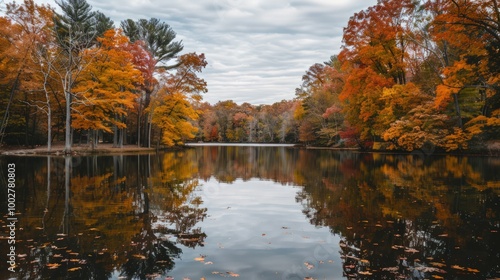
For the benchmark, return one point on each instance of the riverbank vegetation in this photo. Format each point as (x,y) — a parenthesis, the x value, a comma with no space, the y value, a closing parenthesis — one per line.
(411,75)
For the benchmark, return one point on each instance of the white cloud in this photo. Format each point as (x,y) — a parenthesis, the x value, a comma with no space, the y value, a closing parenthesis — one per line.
(257,50)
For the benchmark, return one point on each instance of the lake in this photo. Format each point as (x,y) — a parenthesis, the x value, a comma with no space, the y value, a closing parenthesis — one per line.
(253,212)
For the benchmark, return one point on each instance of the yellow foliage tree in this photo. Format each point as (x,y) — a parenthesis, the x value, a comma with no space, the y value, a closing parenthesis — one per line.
(173,114)
(172,108)
(107,89)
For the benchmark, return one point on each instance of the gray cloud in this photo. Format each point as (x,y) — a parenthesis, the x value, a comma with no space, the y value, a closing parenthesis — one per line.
(257,50)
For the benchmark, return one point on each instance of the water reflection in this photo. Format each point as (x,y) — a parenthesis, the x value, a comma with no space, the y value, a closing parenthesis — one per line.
(128,216)
(89,217)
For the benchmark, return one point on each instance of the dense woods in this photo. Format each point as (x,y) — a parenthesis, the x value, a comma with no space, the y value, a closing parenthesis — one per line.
(75,78)
(410,74)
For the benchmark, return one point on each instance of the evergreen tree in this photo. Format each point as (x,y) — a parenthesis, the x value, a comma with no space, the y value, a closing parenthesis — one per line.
(158,37)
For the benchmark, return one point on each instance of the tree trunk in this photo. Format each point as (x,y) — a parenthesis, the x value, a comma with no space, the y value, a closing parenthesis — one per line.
(49,128)
(121,136)
(115,136)
(67,125)
(457,109)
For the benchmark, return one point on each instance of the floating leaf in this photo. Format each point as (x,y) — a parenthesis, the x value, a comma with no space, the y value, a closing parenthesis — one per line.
(437,264)
(137,256)
(309,265)
(232,274)
(53,265)
(74,269)
(411,250)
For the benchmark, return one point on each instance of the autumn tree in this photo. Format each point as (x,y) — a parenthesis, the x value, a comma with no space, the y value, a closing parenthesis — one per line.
(106,88)
(158,40)
(319,96)
(172,109)
(470,84)
(36,23)
(75,30)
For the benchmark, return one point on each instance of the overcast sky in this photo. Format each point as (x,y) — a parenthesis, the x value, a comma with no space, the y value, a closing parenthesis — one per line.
(257,50)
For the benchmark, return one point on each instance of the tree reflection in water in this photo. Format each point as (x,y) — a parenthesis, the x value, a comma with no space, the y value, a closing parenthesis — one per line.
(397,216)
(105,216)
(407,217)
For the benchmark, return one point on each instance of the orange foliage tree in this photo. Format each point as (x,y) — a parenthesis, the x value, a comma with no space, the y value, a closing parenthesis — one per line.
(107,87)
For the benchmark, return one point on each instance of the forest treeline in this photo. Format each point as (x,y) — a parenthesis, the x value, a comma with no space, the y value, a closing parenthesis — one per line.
(410,74)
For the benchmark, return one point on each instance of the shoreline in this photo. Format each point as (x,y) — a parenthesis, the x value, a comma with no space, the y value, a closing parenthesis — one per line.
(108,149)
(82,150)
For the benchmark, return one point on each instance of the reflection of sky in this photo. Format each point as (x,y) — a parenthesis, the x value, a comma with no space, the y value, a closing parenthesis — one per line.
(257,230)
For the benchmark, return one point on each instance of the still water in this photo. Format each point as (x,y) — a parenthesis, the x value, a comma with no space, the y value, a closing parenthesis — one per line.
(254,213)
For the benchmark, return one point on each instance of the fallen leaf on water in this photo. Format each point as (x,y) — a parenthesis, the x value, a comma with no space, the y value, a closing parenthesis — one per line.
(232,274)
(436,264)
(209,263)
(411,250)
(430,269)
(437,277)
(309,265)
(137,256)
(309,278)
(74,269)
(392,269)
(365,273)
(53,265)
(457,267)
(200,259)
(185,278)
